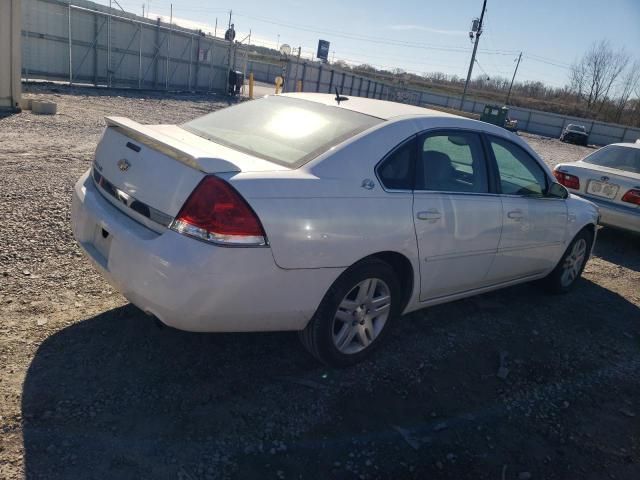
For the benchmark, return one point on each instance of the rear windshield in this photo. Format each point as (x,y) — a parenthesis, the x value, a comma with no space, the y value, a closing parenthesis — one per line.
(615,156)
(284,130)
(577,128)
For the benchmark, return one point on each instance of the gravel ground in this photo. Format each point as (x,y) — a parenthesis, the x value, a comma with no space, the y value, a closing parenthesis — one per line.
(90,387)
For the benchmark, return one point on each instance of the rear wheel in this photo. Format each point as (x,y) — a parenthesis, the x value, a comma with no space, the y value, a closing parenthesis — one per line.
(354,315)
(569,269)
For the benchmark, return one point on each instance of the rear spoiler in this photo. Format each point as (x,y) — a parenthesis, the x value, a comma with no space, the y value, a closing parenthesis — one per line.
(162,143)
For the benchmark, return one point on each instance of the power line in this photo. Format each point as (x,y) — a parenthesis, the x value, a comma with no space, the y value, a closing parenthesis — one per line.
(367,38)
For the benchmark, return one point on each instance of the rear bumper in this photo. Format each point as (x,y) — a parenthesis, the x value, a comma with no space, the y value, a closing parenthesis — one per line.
(573,138)
(192,285)
(614,215)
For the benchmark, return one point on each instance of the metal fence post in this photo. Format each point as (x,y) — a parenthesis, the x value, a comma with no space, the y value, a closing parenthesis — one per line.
(211,67)
(331,80)
(95,49)
(319,78)
(109,47)
(342,82)
(156,60)
(197,62)
(70,46)
(190,61)
(304,71)
(140,57)
(166,69)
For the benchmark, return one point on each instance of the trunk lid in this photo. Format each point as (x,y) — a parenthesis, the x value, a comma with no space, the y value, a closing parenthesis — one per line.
(587,173)
(148,171)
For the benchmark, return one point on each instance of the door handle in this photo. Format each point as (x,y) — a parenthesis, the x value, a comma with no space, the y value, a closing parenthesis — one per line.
(516,215)
(432,215)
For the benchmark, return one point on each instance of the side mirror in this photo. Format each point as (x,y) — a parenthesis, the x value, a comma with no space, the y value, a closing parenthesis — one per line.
(557,191)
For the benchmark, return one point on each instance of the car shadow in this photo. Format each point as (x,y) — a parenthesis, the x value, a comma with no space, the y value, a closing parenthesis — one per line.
(116,396)
(619,247)
(6,113)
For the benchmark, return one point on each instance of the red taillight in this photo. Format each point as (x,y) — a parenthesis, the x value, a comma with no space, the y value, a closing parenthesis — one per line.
(216,212)
(632,196)
(569,181)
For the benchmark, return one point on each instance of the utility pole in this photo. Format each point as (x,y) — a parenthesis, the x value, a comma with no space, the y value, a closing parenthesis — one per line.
(230,12)
(513,78)
(215,30)
(473,55)
(143,10)
(278,43)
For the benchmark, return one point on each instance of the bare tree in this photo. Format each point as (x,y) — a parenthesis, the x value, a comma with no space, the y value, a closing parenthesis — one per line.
(596,72)
(630,84)
(578,79)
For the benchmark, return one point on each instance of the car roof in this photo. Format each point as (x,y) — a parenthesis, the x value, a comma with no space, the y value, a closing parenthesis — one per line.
(368,106)
(628,145)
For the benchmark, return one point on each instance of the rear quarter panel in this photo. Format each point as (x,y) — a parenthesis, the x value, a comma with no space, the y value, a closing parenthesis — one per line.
(320,215)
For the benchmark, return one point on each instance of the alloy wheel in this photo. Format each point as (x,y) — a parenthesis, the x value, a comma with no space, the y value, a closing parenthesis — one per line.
(361,315)
(573,262)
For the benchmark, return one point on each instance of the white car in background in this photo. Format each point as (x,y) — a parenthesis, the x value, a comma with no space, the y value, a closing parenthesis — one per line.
(610,178)
(330,216)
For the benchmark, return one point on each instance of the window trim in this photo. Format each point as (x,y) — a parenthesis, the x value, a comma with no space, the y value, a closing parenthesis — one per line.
(496,170)
(490,190)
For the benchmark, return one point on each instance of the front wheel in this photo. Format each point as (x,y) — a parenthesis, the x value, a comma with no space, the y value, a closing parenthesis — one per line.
(570,267)
(354,314)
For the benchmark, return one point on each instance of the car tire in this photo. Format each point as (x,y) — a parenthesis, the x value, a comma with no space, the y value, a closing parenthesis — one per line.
(569,269)
(353,317)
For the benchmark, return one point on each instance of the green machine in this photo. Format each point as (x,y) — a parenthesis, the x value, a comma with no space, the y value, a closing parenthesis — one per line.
(499,116)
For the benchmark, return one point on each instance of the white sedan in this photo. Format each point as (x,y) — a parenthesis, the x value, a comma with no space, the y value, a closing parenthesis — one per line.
(610,178)
(329,216)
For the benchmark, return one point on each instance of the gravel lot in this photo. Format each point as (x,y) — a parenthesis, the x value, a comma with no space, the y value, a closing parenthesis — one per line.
(90,387)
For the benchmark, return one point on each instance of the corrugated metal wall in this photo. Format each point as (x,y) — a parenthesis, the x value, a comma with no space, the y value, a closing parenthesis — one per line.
(9,53)
(118,49)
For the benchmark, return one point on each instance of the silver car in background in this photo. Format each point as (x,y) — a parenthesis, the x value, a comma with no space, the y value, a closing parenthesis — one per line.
(610,178)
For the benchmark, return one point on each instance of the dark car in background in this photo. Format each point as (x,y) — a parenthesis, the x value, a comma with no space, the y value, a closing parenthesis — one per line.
(575,134)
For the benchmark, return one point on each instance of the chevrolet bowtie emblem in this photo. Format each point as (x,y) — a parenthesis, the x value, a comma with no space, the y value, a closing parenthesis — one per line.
(123,165)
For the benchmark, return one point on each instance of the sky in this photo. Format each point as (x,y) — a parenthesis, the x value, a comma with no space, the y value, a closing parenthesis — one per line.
(424,35)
